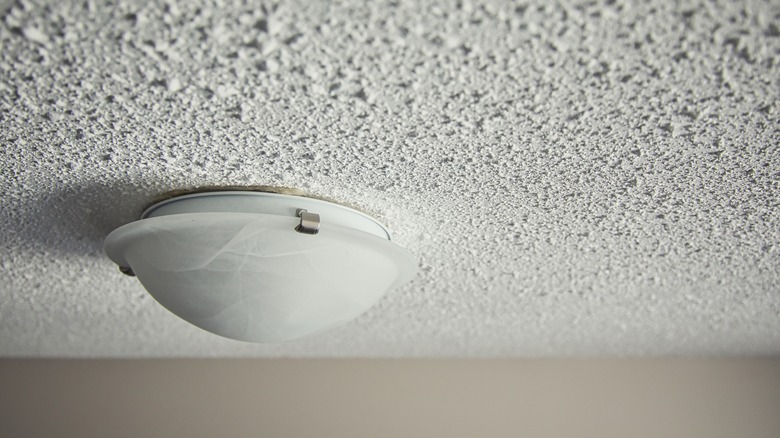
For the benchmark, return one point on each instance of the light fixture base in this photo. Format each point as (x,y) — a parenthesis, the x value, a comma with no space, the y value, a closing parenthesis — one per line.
(266,203)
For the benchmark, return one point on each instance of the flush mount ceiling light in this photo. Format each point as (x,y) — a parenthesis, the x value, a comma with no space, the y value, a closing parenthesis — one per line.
(260,267)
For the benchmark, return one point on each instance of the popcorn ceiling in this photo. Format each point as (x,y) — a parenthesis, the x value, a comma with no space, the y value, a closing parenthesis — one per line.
(583,178)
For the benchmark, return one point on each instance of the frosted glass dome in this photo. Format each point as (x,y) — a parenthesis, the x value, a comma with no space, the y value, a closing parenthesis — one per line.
(251,276)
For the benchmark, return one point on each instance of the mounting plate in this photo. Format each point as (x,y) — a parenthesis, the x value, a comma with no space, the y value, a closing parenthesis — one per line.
(266,203)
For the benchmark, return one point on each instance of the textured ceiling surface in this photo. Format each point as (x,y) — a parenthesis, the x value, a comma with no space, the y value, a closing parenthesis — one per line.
(578,178)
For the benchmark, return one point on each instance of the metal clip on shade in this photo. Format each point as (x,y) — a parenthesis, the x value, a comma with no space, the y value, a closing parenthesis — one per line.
(310,222)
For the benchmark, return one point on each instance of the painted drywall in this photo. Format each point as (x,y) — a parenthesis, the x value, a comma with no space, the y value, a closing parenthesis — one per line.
(391,398)
(581,178)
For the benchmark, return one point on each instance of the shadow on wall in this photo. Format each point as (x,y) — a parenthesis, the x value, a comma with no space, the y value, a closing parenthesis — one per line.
(74,220)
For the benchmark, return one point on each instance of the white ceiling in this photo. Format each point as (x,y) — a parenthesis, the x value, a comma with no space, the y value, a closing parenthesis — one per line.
(592,178)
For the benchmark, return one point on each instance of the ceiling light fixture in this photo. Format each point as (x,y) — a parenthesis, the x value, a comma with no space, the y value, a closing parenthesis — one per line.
(260,267)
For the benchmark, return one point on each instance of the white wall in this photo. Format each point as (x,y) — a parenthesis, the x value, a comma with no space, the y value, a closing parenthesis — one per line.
(386,398)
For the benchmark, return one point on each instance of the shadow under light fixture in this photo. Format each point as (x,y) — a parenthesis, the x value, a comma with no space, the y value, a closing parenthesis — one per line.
(260,267)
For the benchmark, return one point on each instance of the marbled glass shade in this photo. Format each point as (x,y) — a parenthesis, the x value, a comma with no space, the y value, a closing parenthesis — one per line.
(252,277)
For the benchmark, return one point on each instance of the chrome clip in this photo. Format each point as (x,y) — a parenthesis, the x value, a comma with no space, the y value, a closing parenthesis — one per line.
(310,222)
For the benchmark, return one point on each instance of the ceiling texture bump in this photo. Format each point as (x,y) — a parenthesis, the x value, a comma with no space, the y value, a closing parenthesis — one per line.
(575,178)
